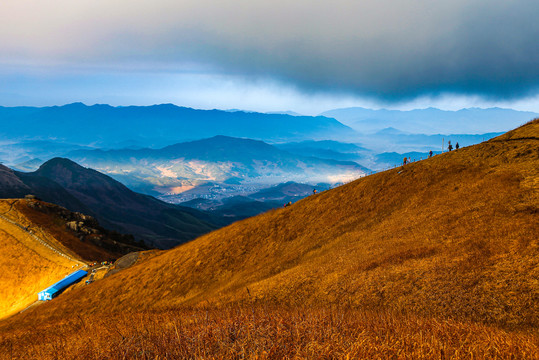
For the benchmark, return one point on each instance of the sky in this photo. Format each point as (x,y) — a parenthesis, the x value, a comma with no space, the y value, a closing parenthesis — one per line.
(305,56)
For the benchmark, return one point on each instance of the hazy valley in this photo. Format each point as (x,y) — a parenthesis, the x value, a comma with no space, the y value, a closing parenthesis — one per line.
(318,151)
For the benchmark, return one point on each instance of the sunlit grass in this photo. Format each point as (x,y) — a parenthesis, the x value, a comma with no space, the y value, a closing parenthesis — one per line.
(259,332)
(27,266)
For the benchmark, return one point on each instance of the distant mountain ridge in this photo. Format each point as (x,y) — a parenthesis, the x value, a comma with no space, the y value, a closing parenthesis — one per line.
(17,152)
(157,125)
(326,149)
(432,121)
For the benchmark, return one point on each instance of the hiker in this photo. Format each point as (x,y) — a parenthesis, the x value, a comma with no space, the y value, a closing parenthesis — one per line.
(449,146)
(404,161)
(430,153)
(314,191)
(457,146)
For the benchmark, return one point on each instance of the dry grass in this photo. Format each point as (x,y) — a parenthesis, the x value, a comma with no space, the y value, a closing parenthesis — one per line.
(264,333)
(27,266)
(452,239)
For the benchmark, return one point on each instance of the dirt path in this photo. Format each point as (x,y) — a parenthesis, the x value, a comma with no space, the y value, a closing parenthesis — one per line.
(37,302)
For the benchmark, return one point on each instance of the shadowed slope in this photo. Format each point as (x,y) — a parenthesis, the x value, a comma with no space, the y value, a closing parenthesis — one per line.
(64,182)
(10,183)
(453,236)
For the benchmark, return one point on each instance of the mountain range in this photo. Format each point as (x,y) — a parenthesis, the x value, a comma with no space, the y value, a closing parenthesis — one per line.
(180,167)
(31,133)
(432,121)
(157,125)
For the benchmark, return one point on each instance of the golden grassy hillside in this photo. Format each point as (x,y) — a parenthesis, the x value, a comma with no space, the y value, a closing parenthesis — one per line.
(27,265)
(37,251)
(257,332)
(451,240)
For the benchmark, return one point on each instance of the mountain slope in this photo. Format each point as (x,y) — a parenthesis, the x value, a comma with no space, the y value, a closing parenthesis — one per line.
(453,236)
(116,206)
(38,248)
(63,182)
(27,266)
(11,184)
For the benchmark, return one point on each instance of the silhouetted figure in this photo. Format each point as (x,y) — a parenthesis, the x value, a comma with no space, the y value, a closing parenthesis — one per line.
(449,146)
(430,153)
(314,191)
(404,161)
(457,146)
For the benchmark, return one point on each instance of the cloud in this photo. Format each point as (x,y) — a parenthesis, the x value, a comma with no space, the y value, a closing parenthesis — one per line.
(390,50)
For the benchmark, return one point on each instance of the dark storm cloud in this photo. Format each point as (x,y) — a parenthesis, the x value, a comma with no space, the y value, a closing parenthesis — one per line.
(391,50)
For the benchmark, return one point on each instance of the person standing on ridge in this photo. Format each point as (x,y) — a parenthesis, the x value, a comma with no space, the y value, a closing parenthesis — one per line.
(457,146)
(314,191)
(430,153)
(449,146)
(404,161)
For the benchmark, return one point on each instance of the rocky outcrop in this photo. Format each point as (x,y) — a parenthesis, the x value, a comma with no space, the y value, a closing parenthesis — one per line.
(87,229)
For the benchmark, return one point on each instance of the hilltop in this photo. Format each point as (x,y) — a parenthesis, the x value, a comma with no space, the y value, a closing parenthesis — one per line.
(446,247)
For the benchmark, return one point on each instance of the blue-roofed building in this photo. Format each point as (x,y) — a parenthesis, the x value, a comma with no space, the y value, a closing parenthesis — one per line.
(57,288)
